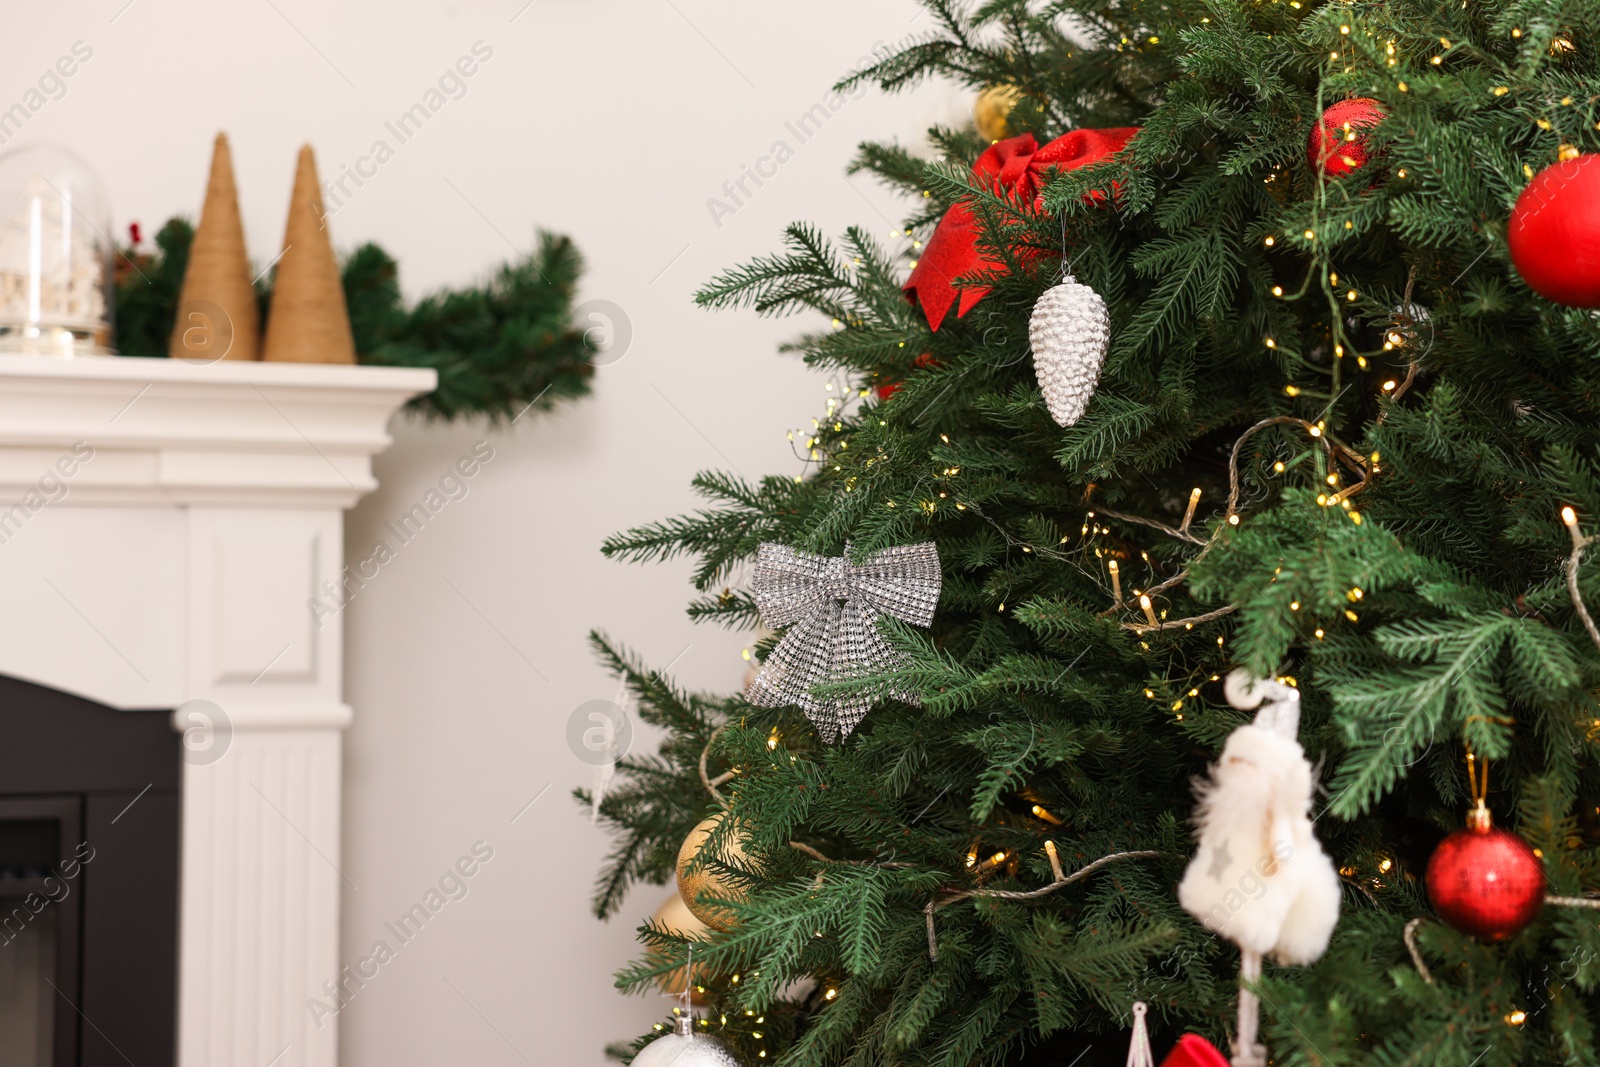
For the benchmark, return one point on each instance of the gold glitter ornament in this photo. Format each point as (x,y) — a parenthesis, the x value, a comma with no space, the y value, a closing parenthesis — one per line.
(990,111)
(698,885)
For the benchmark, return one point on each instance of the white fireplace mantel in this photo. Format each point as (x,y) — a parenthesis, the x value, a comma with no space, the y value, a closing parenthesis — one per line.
(173,432)
(164,528)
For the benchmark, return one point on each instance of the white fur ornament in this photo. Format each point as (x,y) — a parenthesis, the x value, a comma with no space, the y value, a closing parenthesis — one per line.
(1069,331)
(1260,877)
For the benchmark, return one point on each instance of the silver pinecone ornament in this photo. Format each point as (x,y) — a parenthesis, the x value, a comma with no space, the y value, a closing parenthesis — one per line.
(1069,330)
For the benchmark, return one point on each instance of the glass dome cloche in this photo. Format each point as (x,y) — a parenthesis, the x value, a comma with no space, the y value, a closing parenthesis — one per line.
(55,256)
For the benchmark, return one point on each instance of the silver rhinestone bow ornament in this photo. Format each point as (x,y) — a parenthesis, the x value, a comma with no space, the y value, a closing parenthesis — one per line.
(831,607)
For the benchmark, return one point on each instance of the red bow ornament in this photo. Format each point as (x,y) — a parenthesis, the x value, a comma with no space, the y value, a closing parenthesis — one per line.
(1015,168)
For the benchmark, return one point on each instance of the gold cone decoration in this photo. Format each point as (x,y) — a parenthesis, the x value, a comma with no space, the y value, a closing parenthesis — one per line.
(307,322)
(217,317)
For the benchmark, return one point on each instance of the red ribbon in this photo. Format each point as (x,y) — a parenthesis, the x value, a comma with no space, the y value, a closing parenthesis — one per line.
(1016,167)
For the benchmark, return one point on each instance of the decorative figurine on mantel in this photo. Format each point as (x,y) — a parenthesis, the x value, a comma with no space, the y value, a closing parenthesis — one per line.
(55,261)
(217,316)
(308,322)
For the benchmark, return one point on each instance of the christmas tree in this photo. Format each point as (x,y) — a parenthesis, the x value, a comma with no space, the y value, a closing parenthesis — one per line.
(1343,440)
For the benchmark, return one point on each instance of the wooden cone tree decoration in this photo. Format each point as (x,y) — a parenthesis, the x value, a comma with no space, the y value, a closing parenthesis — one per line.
(307,322)
(217,317)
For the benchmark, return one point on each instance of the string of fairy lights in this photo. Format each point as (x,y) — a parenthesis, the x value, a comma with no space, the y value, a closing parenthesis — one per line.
(807,443)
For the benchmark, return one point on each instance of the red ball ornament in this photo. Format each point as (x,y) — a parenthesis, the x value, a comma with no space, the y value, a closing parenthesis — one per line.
(1485,882)
(1555,232)
(1192,1050)
(1334,147)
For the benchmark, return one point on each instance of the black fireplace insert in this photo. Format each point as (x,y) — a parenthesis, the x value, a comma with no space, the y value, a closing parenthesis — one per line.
(88,881)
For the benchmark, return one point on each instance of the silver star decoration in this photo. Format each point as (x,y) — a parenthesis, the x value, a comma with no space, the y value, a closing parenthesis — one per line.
(831,607)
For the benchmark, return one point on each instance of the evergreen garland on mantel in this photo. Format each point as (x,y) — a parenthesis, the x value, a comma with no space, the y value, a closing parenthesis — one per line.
(499,347)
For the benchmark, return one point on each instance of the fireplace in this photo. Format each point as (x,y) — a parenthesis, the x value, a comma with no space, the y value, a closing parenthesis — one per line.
(165,530)
(88,881)
(40,928)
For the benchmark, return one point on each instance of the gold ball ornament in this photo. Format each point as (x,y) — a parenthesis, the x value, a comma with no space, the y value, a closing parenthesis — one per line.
(990,111)
(675,917)
(753,667)
(706,882)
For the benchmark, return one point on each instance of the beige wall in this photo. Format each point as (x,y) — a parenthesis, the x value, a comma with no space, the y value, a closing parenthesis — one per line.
(613,121)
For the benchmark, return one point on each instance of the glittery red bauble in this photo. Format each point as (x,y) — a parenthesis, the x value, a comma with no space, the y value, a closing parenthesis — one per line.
(1192,1050)
(1331,150)
(1555,232)
(1487,883)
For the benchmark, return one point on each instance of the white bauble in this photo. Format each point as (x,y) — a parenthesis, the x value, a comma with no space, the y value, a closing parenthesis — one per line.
(1070,330)
(684,1048)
